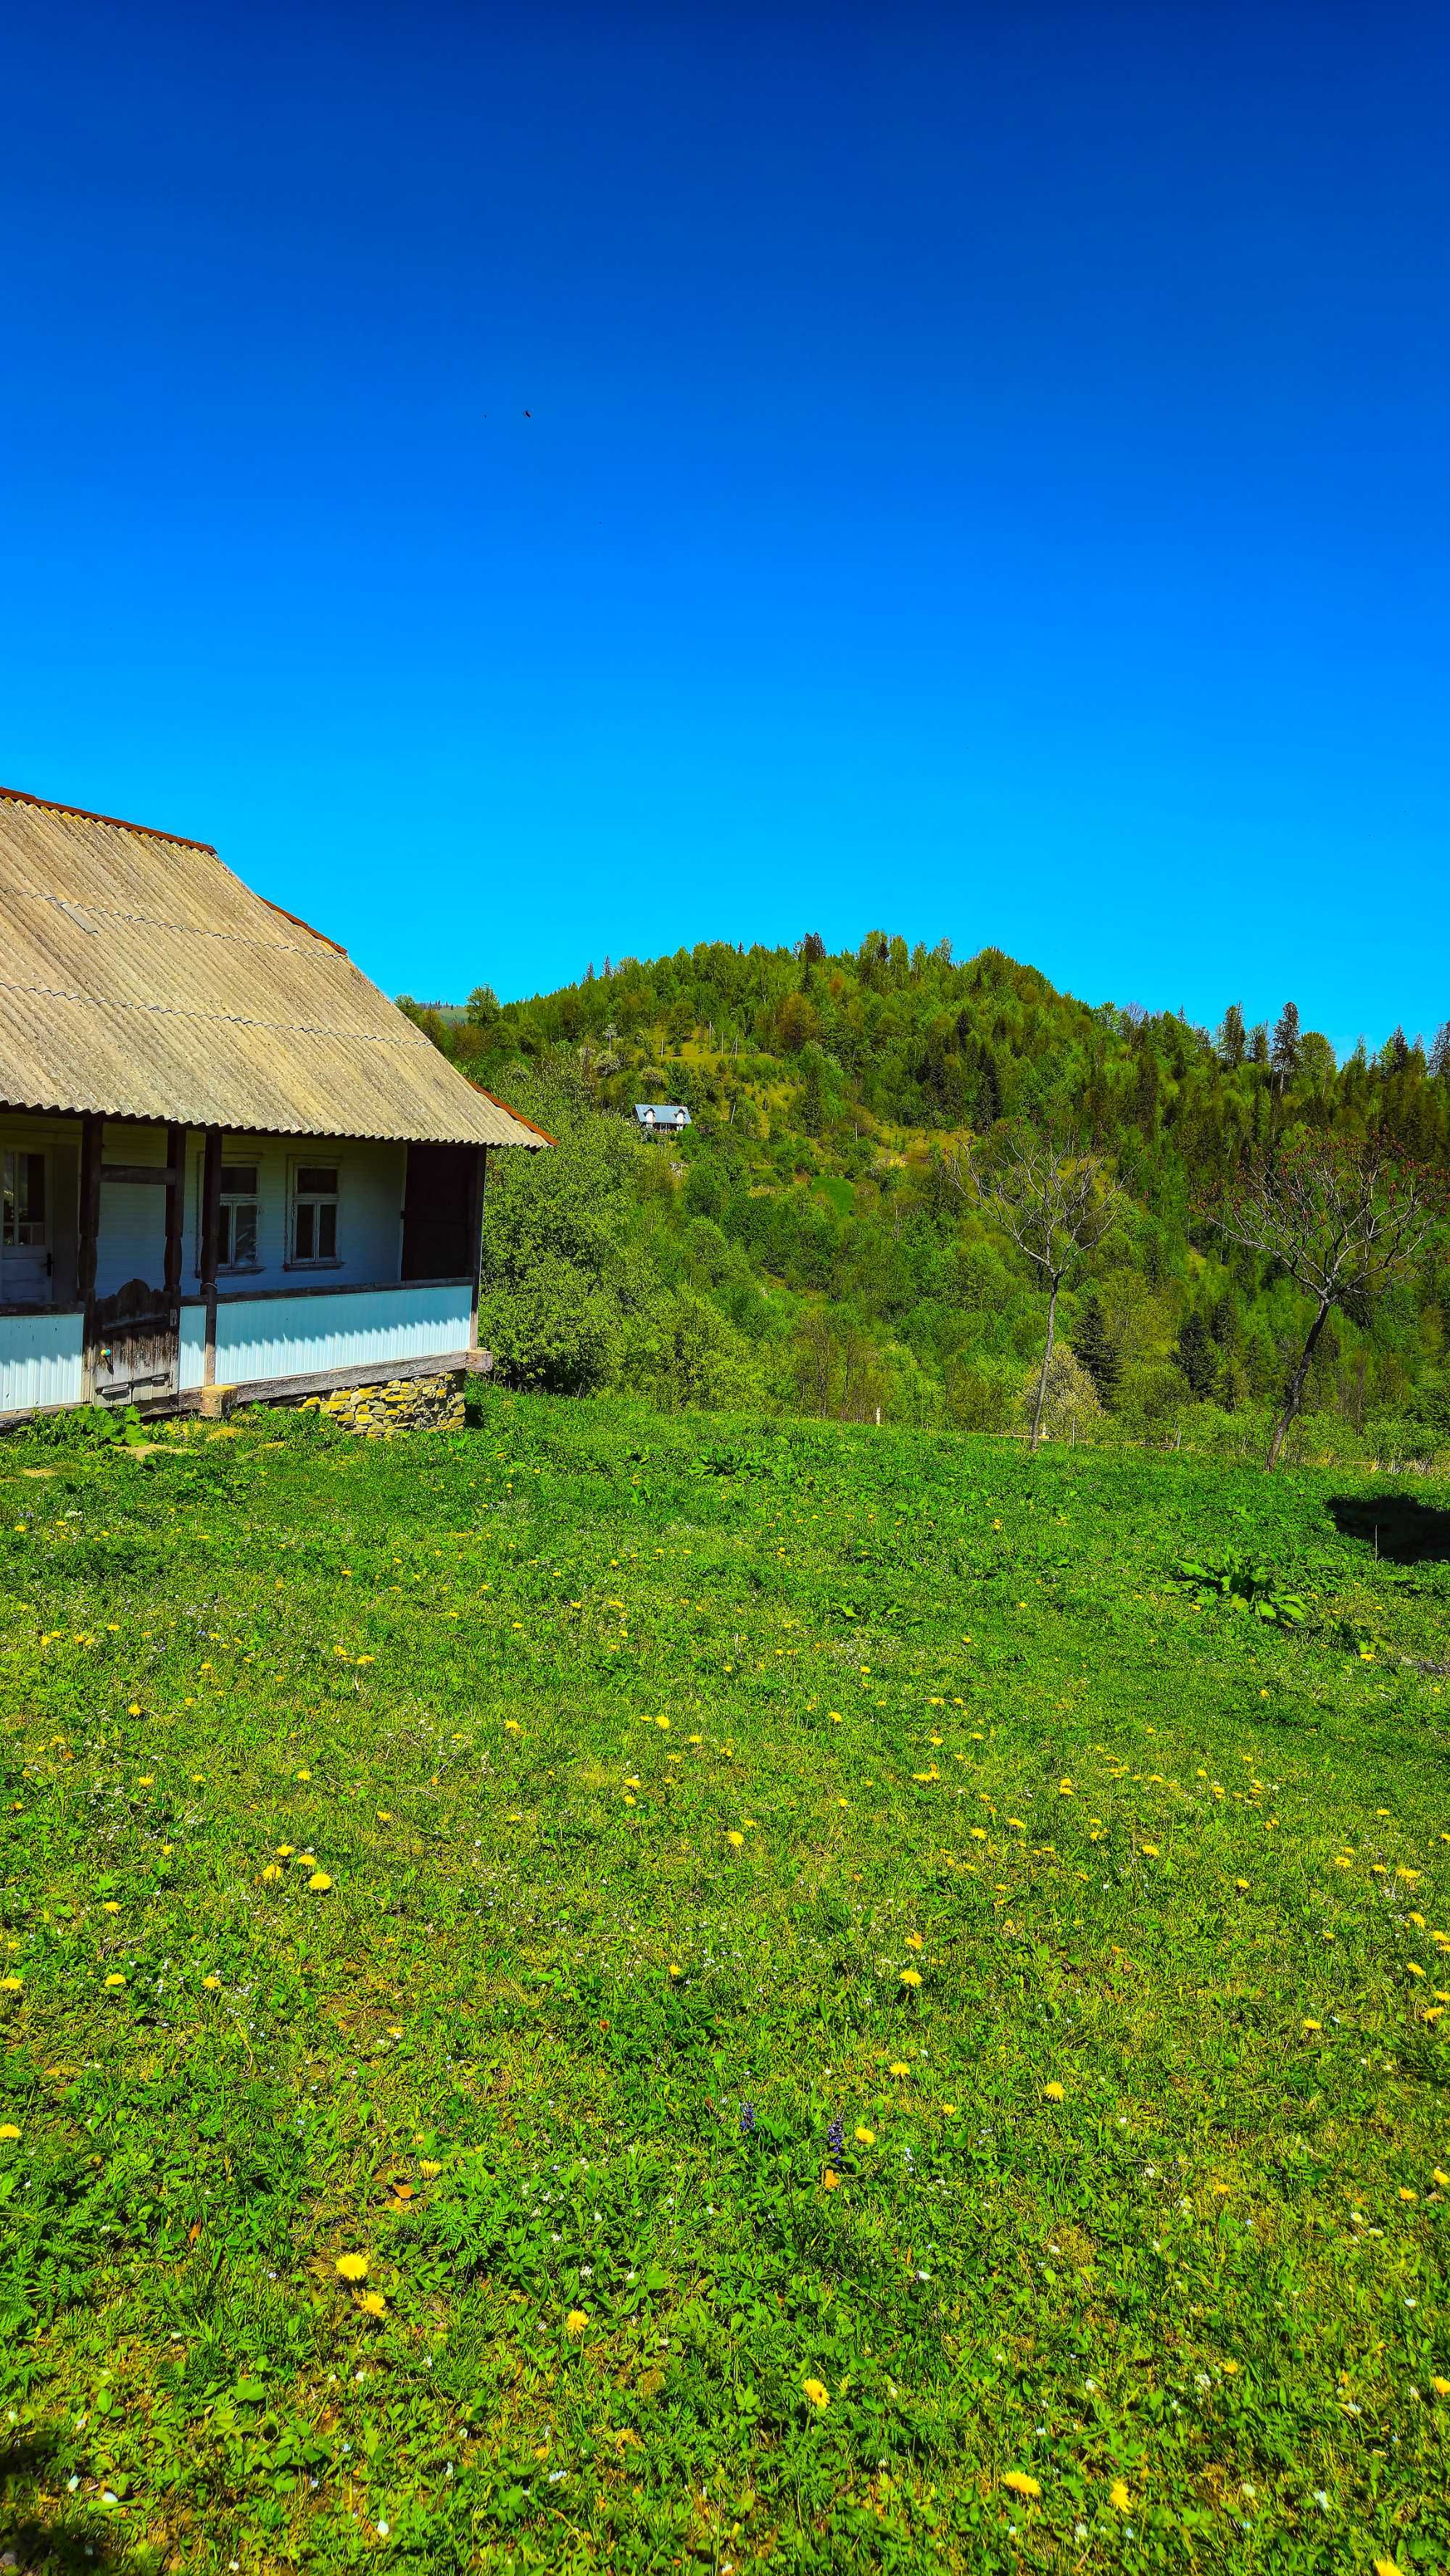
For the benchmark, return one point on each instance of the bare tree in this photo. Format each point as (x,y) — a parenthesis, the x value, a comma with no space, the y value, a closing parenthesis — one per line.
(1057,1205)
(1344,1219)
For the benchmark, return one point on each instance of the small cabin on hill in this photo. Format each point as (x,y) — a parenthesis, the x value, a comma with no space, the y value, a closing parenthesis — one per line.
(226,1159)
(661,1117)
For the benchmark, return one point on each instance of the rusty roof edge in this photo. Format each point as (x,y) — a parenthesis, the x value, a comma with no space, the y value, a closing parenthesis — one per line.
(299,924)
(510,1112)
(117,822)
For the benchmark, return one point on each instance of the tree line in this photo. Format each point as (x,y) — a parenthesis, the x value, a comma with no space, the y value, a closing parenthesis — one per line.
(828,1233)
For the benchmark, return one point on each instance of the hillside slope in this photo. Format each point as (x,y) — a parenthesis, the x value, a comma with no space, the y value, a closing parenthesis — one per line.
(812,1241)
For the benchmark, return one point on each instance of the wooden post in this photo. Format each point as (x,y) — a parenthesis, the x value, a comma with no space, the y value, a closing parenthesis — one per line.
(478,1179)
(211,1203)
(88,1228)
(175,1206)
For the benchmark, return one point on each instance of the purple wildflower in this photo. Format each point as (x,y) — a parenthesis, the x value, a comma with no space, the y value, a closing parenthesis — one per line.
(836,2136)
(747,2119)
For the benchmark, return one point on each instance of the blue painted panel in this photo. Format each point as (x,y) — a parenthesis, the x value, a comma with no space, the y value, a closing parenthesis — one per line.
(268,1337)
(192,1364)
(40,1361)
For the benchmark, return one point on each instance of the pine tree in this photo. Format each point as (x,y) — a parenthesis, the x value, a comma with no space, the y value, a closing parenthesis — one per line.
(1285,1057)
(1440,1051)
(1094,1347)
(1196,1355)
(1232,1039)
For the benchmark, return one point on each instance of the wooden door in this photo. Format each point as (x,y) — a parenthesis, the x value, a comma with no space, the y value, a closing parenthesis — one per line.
(136,1341)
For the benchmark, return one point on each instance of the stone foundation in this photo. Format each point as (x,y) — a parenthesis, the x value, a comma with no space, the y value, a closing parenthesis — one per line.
(403,1404)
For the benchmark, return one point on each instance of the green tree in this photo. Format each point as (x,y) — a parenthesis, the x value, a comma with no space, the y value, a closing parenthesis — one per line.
(1232,1037)
(1196,1355)
(1284,1056)
(1096,1350)
(1058,1206)
(1344,1220)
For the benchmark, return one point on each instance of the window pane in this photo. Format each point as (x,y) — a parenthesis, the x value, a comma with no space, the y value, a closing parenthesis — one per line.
(239,1180)
(327,1231)
(318,1180)
(32,1188)
(244,1232)
(8,1202)
(305,1233)
(224,1237)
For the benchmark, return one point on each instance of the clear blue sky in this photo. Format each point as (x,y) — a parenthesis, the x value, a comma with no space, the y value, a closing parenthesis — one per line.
(529,483)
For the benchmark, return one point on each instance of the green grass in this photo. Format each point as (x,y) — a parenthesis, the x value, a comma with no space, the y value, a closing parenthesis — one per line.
(515,1692)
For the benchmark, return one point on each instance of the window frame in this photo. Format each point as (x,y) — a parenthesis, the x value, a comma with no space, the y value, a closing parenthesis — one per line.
(298,1198)
(12,1154)
(226,1201)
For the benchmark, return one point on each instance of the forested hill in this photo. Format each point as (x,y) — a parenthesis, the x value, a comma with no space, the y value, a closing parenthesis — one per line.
(813,1239)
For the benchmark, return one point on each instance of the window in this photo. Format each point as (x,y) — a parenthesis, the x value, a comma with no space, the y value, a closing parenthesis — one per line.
(314,1212)
(22,1202)
(237,1223)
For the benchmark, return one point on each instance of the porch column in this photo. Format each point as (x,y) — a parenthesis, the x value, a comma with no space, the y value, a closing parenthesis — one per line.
(211,1203)
(88,1227)
(477,1180)
(175,1205)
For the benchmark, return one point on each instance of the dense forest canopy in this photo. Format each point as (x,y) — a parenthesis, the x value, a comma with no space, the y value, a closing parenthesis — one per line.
(814,1240)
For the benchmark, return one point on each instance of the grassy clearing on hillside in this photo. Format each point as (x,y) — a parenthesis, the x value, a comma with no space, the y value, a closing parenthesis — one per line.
(502,1859)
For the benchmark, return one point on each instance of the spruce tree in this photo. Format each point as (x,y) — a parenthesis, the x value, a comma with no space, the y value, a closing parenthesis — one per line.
(1285,1057)
(1196,1355)
(1232,1038)
(1094,1347)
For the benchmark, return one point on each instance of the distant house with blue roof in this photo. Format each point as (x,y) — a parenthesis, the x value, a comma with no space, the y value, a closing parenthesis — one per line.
(660,1117)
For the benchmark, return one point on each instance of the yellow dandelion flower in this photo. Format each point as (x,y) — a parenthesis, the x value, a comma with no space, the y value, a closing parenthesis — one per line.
(950,2109)
(1441,2387)
(301,1775)
(273,1870)
(1440,2178)
(319,1880)
(212,1981)
(1065,1789)
(429,2169)
(8,2129)
(575,2322)
(817,2391)
(148,1778)
(115,1980)
(1021,2484)
(736,1841)
(1388,2567)
(373,2304)
(1118,2496)
(865,2137)
(911,1976)
(1150,1851)
(352,2267)
(285,1850)
(1053,2093)
(898,2069)
(1311,2025)
(12,1985)
(913,1940)
(385,1815)
(1406,2193)
(830,2181)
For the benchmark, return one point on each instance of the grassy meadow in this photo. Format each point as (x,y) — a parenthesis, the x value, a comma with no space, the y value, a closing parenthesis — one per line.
(611,1992)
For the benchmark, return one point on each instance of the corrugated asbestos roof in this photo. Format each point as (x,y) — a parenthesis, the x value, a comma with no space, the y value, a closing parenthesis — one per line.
(140,978)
